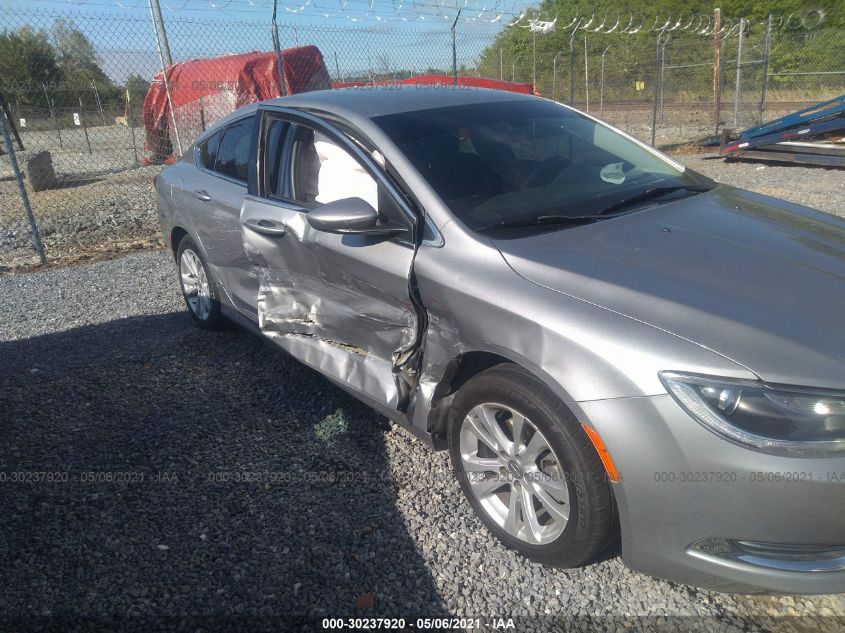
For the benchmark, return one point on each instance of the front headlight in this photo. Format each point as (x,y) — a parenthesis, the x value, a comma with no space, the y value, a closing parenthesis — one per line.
(791,420)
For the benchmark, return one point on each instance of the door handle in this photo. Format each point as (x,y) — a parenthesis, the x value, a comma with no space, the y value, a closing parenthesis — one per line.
(266,227)
(202,194)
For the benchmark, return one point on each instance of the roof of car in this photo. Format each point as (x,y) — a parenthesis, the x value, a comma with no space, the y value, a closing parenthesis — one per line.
(373,101)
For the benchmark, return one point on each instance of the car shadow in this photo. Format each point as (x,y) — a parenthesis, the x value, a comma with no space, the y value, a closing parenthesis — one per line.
(150,470)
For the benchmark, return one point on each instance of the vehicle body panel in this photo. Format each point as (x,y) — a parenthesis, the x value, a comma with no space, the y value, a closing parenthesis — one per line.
(760,282)
(727,284)
(339,303)
(217,223)
(681,483)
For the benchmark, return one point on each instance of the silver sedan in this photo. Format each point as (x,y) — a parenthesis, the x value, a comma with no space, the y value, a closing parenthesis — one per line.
(606,342)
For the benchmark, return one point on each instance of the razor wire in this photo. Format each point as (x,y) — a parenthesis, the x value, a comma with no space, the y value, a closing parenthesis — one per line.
(509,12)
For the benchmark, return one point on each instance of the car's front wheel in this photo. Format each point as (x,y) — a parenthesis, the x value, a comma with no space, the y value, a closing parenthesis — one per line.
(529,470)
(198,287)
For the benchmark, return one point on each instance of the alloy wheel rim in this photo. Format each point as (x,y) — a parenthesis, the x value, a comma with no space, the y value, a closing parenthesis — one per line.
(195,284)
(514,473)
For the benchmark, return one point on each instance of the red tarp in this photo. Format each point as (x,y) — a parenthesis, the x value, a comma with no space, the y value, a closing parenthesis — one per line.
(204,90)
(448,80)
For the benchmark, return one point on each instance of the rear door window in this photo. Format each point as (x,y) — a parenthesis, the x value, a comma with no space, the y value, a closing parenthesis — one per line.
(233,153)
(208,151)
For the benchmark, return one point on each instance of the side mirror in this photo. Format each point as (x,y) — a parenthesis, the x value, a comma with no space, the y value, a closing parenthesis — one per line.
(350,215)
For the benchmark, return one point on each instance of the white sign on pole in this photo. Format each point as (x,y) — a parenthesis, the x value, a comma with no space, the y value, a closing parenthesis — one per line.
(23,122)
(76,120)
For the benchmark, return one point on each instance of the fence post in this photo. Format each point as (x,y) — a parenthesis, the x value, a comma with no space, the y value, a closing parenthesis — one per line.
(767,49)
(277,49)
(165,79)
(161,34)
(656,93)
(53,115)
(572,63)
(131,127)
(202,114)
(554,75)
(663,75)
(4,106)
(586,76)
(10,149)
(601,83)
(738,70)
(717,69)
(455,47)
(84,126)
(501,65)
(99,103)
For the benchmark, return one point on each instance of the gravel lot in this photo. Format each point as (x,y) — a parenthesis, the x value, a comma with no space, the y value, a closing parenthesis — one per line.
(103,375)
(814,187)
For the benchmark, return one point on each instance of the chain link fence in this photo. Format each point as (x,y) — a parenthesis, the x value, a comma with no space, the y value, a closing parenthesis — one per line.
(74,84)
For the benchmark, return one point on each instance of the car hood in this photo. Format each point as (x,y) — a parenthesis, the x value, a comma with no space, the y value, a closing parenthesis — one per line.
(758,280)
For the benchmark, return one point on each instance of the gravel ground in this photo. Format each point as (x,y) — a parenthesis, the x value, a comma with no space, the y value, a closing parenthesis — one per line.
(815,187)
(228,512)
(91,217)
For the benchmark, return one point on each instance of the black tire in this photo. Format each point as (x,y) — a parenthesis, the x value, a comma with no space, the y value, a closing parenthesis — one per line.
(213,319)
(592,515)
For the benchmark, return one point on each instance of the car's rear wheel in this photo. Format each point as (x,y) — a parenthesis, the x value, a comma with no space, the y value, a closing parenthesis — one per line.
(198,287)
(529,470)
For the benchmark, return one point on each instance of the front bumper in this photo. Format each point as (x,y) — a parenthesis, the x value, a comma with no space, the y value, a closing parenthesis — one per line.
(703,511)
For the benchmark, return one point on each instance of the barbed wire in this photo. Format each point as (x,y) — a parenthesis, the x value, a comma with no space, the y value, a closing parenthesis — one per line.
(511,13)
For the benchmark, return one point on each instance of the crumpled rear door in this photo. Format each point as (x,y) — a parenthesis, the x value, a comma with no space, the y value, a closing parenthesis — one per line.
(338,303)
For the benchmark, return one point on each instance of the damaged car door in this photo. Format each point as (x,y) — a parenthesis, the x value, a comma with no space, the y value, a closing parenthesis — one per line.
(335,296)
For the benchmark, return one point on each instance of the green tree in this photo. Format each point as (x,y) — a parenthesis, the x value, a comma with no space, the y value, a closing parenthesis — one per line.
(137,87)
(27,62)
(80,67)
(631,69)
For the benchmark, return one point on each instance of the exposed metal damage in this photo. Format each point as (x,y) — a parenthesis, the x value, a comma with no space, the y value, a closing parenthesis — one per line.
(305,315)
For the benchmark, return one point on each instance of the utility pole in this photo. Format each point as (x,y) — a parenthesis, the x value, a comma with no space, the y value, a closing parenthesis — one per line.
(158,23)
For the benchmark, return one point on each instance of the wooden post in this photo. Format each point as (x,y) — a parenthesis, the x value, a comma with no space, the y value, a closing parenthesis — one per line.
(717,69)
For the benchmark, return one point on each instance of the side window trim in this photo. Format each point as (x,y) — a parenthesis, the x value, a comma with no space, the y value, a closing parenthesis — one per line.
(294,117)
(198,163)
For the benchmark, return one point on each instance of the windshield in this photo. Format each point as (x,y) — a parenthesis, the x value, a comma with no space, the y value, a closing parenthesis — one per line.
(504,162)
